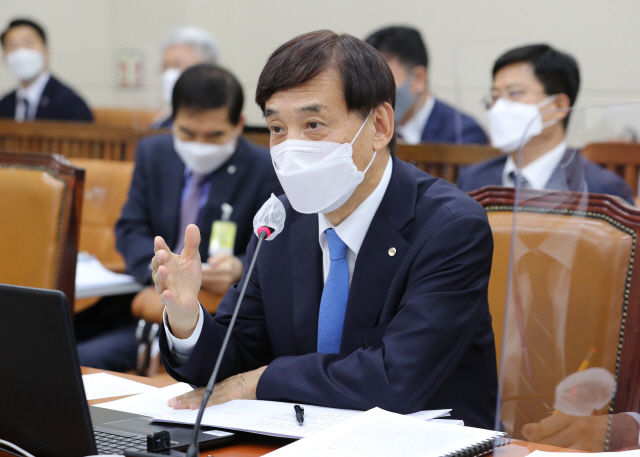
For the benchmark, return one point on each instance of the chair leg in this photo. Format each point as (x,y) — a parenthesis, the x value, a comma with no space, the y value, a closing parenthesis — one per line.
(142,339)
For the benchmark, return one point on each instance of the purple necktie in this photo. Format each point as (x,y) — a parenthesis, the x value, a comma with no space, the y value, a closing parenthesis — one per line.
(190,208)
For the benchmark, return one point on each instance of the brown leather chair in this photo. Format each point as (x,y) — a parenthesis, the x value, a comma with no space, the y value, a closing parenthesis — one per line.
(575,287)
(40,208)
(105,193)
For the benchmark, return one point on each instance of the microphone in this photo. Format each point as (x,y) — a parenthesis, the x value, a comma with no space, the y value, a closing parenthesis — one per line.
(267,224)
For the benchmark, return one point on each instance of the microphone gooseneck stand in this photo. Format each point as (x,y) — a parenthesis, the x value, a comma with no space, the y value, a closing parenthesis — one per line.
(193,451)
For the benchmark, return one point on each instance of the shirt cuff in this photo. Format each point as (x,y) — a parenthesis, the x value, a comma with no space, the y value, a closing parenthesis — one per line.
(182,349)
(636,417)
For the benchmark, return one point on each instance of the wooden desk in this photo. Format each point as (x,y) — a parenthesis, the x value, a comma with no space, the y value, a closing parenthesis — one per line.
(249,445)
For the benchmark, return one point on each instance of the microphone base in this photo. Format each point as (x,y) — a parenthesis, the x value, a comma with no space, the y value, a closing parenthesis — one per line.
(170,453)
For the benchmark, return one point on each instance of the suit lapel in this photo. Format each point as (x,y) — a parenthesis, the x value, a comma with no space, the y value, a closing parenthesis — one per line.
(569,174)
(375,268)
(434,127)
(223,184)
(44,106)
(307,280)
(172,183)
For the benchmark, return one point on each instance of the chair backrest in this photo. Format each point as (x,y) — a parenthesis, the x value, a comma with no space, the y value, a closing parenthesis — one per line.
(444,160)
(621,158)
(121,117)
(40,210)
(71,139)
(575,286)
(106,187)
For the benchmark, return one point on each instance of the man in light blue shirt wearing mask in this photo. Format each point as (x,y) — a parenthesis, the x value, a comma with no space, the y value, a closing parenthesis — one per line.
(375,291)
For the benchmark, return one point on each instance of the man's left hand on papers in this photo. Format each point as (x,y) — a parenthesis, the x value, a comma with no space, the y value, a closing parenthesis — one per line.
(239,387)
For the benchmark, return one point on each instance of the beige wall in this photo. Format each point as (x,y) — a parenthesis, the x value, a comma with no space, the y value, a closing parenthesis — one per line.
(463,36)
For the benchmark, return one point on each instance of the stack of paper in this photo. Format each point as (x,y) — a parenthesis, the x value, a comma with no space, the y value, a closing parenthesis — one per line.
(94,280)
(104,385)
(256,416)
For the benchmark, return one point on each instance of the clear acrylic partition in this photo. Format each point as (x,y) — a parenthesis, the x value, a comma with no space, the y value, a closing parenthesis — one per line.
(565,269)
(472,79)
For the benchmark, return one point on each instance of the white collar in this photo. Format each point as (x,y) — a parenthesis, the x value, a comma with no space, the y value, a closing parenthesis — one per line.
(354,228)
(538,172)
(34,91)
(411,131)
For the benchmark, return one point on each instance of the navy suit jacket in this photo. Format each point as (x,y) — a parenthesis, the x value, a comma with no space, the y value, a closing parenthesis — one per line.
(417,330)
(445,122)
(245,182)
(574,173)
(58,102)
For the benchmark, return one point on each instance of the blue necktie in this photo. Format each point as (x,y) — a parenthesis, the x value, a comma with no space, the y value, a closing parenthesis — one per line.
(334,296)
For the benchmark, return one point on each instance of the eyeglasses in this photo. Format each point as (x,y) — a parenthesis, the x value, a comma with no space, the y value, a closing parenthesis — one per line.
(514,94)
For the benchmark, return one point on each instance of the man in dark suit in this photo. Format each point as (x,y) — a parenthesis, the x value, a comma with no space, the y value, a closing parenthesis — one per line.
(419,116)
(204,172)
(40,95)
(375,293)
(526,80)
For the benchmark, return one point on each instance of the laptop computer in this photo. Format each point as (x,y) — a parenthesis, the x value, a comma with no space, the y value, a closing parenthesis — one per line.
(43,408)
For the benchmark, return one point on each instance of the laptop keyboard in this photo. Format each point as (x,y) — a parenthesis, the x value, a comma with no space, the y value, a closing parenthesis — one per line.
(111,443)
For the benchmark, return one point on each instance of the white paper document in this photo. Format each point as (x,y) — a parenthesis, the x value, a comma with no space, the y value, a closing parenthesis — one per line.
(152,403)
(378,433)
(256,416)
(94,280)
(104,385)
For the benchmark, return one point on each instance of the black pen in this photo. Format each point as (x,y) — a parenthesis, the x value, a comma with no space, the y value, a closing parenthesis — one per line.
(299,413)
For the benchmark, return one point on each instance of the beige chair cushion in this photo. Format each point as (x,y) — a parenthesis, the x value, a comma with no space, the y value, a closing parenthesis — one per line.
(106,187)
(30,226)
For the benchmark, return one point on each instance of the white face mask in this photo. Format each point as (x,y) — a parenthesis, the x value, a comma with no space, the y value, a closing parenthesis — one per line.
(169,78)
(317,176)
(203,158)
(25,64)
(513,123)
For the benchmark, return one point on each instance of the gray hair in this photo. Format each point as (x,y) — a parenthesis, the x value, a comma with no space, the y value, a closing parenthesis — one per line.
(199,40)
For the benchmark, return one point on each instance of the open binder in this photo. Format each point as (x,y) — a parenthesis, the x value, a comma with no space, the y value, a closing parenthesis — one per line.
(378,433)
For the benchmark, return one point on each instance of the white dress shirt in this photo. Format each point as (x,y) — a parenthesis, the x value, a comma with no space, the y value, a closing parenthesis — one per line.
(33,94)
(352,231)
(411,131)
(538,172)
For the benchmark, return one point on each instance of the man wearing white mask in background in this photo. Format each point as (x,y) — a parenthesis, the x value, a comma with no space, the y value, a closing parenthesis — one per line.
(183,48)
(202,173)
(420,117)
(533,87)
(39,95)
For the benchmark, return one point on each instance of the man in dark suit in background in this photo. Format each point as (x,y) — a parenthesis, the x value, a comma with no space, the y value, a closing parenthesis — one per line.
(375,293)
(39,95)
(533,88)
(419,116)
(204,172)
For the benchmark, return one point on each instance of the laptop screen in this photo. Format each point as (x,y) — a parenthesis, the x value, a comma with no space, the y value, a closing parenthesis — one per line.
(43,408)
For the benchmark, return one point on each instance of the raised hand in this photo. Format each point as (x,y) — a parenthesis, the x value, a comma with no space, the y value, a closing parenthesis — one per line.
(177,280)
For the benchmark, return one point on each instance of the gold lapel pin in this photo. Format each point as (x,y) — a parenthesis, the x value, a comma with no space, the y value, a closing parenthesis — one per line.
(392,252)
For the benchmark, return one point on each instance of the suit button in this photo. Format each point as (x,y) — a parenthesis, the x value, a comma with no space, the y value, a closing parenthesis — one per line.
(392,251)
(231,169)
